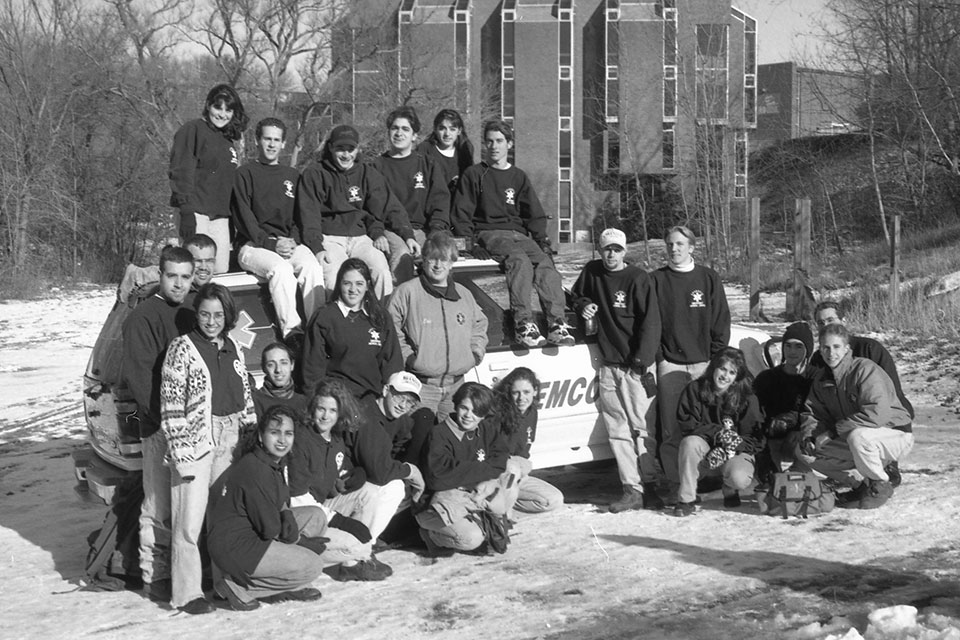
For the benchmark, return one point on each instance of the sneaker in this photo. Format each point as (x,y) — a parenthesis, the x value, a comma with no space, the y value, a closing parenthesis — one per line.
(559,334)
(300,595)
(381,566)
(684,509)
(632,499)
(528,335)
(877,494)
(851,499)
(731,501)
(893,472)
(198,606)
(651,501)
(363,571)
(224,590)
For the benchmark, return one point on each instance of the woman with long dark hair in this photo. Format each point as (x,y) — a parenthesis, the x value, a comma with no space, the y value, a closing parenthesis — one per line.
(352,338)
(205,402)
(252,534)
(448,147)
(721,423)
(203,160)
(516,409)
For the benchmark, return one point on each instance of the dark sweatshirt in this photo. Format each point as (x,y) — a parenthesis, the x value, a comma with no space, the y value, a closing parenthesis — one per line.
(628,315)
(316,464)
(351,349)
(341,203)
(243,513)
(147,333)
(705,419)
(264,204)
(371,448)
(419,186)
(694,316)
(519,442)
(450,462)
(202,166)
(497,199)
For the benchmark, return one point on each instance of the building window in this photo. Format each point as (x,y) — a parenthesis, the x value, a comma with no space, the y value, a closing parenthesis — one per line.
(507,58)
(565,211)
(565,156)
(740,165)
(611,150)
(669,147)
(611,106)
(566,124)
(406,11)
(711,72)
(750,71)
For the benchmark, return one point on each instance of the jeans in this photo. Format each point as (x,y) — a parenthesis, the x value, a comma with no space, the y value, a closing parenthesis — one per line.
(336,249)
(284,567)
(188,505)
(283,276)
(439,398)
(342,547)
(537,496)
(737,472)
(400,253)
(528,268)
(631,422)
(155,511)
(671,379)
(219,232)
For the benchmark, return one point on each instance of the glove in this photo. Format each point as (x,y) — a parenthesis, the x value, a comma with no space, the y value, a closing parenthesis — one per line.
(318,545)
(188,222)
(728,439)
(289,530)
(351,480)
(716,457)
(480,253)
(354,527)
(415,480)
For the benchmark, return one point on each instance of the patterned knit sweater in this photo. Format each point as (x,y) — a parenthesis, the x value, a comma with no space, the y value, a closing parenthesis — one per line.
(185,405)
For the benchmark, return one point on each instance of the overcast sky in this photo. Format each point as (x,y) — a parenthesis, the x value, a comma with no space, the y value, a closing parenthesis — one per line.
(785,27)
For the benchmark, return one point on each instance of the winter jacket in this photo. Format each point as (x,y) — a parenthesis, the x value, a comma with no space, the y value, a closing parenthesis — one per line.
(856,394)
(244,513)
(186,398)
(202,166)
(451,462)
(704,419)
(317,463)
(441,332)
(370,448)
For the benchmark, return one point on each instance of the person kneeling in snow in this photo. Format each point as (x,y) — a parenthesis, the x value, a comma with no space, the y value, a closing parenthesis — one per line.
(853,425)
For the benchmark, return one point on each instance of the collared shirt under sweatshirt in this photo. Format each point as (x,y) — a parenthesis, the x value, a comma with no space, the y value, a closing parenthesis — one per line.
(694,316)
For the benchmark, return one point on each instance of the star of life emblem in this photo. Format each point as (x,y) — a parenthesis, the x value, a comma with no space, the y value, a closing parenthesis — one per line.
(481,455)
(353,194)
(374,338)
(620,300)
(696,299)
(511,195)
(288,188)
(418,182)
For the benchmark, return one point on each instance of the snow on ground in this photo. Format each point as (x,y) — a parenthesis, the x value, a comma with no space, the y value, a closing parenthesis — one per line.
(579,573)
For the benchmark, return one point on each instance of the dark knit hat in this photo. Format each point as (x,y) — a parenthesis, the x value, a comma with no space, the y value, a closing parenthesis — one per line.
(800,331)
(344,134)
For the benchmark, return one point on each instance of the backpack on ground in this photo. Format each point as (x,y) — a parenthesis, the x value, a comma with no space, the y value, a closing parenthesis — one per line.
(792,493)
(496,529)
(113,557)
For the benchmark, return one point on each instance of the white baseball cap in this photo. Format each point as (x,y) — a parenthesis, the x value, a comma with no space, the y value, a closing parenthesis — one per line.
(613,236)
(405,382)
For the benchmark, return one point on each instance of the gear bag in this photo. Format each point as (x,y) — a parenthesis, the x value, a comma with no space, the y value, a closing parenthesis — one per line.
(113,556)
(793,493)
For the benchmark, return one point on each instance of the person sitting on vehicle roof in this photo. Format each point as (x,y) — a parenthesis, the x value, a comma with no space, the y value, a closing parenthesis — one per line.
(722,430)
(277,362)
(139,283)
(343,207)
(827,313)
(853,425)
(498,209)
(441,328)
(353,338)
(781,392)
(465,466)
(516,413)
(265,216)
(622,301)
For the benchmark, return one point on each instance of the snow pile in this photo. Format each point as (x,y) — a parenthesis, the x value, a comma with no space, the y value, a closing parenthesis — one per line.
(899,622)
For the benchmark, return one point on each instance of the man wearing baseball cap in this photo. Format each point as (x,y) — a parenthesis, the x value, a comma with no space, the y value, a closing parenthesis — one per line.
(622,300)
(342,206)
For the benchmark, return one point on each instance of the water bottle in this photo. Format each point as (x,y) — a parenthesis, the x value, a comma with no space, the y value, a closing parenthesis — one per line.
(590,325)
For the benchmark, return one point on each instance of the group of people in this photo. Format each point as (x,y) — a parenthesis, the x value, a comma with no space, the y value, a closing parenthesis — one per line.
(296,230)
(364,420)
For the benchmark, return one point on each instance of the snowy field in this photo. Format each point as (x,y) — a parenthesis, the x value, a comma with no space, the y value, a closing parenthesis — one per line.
(578,573)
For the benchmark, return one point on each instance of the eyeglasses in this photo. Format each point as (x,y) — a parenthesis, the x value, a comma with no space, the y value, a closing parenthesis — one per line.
(206,316)
(402,399)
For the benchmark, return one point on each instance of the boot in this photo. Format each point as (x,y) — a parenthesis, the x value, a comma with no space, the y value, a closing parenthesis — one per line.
(632,499)
(651,500)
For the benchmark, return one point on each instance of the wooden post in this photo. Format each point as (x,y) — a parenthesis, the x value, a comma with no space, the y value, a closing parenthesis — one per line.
(756,307)
(895,263)
(802,302)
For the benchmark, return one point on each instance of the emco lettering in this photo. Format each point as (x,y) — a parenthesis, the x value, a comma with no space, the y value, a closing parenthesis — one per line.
(557,392)
(567,393)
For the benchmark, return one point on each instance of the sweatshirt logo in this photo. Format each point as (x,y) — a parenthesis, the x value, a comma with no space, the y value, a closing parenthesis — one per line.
(353,194)
(620,300)
(461,318)
(481,455)
(234,158)
(418,182)
(511,195)
(696,299)
(238,368)
(374,338)
(529,435)
(288,188)
(339,460)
